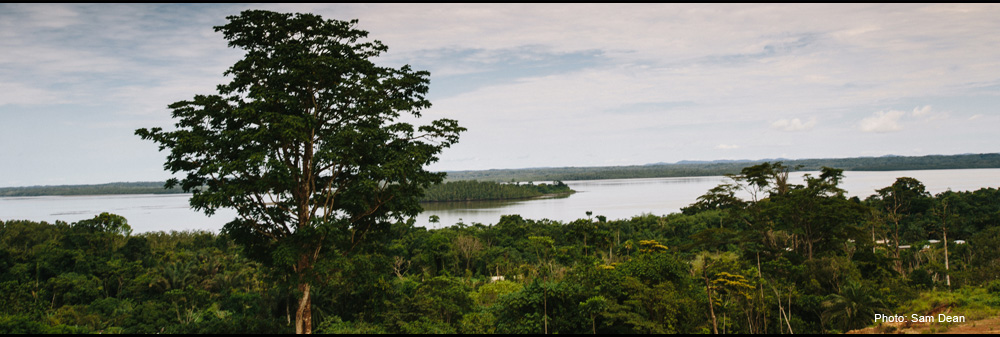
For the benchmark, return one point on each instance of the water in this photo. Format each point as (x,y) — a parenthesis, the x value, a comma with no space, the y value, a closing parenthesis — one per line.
(615,199)
(144,212)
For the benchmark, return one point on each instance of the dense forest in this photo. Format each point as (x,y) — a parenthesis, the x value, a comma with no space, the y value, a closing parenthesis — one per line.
(449,191)
(150,187)
(796,257)
(682,169)
(471,190)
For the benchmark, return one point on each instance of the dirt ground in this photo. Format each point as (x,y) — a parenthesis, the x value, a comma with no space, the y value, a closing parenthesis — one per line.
(983,326)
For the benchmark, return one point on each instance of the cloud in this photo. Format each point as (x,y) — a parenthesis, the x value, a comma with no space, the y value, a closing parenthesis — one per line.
(889,121)
(922,111)
(793,124)
(727,147)
(926,114)
(883,121)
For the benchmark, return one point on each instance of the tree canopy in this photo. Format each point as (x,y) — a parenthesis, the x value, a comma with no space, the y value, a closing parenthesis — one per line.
(306,142)
(806,261)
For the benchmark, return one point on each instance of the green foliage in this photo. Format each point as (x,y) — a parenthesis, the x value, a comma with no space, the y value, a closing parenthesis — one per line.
(488,294)
(542,306)
(152,282)
(334,325)
(22,325)
(722,197)
(853,308)
(306,142)
(470,190)
(749,262)
(972,302)
(443,299)
(482,322)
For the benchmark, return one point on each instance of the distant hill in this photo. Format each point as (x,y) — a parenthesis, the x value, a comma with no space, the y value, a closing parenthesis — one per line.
(724,161)
(657,170)
(721,167)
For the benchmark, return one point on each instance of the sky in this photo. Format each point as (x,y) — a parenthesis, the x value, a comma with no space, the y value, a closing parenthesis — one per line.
(536,85)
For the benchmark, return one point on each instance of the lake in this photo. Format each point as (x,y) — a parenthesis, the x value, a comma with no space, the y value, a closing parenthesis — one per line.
(615,199)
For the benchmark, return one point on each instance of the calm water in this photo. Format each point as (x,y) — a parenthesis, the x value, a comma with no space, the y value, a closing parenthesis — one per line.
(616,199)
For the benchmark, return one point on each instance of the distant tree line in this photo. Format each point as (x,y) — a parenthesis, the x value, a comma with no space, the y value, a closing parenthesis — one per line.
(449,191)
(965,161)
(149,187)
(470,190)
(687,169)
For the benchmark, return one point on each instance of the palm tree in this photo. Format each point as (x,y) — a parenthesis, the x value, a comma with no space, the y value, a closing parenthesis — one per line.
(853,308)
(174,275)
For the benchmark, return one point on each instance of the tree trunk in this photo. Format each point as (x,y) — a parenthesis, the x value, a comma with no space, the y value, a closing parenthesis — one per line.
(899,262)
(763,311)
(711,308)
(545,308)
(947,274)
(788,317)
(303,316)
(593,324)
(809,246)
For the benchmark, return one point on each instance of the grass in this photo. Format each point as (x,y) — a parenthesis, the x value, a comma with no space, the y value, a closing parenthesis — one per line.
(974,303)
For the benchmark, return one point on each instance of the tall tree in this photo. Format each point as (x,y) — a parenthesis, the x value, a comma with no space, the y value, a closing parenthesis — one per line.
(818,213)
(905,197)
(306,142)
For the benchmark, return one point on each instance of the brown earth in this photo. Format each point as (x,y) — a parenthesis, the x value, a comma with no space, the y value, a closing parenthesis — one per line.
(983,326)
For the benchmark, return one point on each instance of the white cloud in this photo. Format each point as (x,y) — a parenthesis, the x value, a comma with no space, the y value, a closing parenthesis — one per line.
(883,121)
(727,147)
(890,121)
(793,124)
(922,111)
(926,114)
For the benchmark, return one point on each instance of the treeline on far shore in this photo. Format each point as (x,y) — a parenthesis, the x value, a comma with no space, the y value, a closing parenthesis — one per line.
(718,168)
(681,169)
(449,191)
(145,187)
(470,190)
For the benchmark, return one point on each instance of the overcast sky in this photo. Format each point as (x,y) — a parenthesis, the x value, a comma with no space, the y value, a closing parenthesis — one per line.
(536,85)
